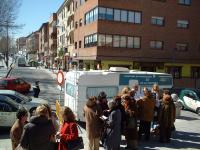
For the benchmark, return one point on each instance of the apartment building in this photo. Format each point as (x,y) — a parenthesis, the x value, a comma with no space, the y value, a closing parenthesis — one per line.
(21,43)
(65,34)
(149,35)
(43,44)
(32,46)
(52,39)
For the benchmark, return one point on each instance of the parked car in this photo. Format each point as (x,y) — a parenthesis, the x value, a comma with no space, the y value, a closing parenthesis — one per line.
(8,109)
(16,84)
(189,98)
(29,102)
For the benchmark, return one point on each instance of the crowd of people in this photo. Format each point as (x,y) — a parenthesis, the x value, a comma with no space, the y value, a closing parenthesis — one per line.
(129,113)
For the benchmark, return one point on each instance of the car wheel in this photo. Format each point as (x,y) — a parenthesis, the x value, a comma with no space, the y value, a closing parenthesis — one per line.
(32,111)
(198,111)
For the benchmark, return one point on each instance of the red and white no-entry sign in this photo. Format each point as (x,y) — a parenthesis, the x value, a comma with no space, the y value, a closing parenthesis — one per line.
(60,77)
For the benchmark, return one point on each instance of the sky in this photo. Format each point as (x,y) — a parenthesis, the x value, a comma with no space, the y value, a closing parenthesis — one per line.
(33,13)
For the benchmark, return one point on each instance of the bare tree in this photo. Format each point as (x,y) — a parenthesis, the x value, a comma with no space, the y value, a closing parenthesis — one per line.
(8,15)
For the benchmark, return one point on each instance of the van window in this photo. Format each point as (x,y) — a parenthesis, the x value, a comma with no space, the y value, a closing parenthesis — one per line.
(110,91)
(70,89)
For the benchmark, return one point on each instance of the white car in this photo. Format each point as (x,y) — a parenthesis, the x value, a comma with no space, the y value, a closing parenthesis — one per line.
(30,103)
(8,109)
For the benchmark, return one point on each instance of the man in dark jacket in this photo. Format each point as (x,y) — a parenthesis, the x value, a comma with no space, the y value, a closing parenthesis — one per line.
(39,132)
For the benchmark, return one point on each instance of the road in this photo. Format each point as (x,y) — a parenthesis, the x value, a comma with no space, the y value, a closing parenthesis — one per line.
(186,137)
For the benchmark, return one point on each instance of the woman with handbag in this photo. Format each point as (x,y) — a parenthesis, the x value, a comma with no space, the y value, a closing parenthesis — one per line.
(69,130)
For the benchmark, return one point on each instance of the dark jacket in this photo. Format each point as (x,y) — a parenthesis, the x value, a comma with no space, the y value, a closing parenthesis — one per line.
(167,112)
(113,138)
(37,134)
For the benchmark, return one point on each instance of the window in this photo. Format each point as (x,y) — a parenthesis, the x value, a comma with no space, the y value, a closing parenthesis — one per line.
(80,44)
(80,22)
(181,46)
(156,44)
(109,40)
(131,17)
(87,16)
(116,14)
(110,91)
(102,13)
(75,45)
(94,39)
(175,71)
(90,40)
(70,89)
(182,24)
(157,21)
(109,14)
(185,2)
(122,41)
(138,17)
(95,14)
(86,41)
(123,15)
(136,42)
(76,25)
(195,72)
(91,18)
(116,40)
(101,40)
(113,14)
(130,42)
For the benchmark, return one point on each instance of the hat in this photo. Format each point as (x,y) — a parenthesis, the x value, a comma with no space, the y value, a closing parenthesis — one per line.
(102,95)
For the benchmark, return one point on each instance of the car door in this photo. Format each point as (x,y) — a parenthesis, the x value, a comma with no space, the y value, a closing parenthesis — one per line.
(16,85)
(7,115)
(194,101)
(24,85)
(187,100)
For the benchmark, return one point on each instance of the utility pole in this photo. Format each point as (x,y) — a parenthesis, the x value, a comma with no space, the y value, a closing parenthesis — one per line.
(7,45)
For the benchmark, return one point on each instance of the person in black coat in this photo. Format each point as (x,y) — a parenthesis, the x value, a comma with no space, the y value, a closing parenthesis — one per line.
(39,133)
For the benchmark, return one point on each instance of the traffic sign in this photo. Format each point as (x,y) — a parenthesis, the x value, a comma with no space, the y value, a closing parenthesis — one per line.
(60,77)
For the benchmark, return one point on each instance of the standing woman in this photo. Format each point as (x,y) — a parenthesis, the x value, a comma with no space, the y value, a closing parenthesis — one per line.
(17,128)
(166,117)
(69,130)
(113,131)
(131,122)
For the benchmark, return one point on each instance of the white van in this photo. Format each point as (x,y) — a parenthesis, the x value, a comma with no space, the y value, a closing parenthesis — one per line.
(80,85)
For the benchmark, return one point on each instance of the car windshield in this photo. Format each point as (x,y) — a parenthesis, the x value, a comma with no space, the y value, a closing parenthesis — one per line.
(9,100)
(25,98)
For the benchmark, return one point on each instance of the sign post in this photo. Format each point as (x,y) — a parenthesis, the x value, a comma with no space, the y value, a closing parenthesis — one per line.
(60,80)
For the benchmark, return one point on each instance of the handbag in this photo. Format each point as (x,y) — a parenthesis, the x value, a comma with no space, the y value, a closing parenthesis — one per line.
(75,144)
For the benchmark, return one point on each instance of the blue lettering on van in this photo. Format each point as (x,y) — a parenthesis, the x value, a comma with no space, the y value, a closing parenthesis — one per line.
(145,79)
